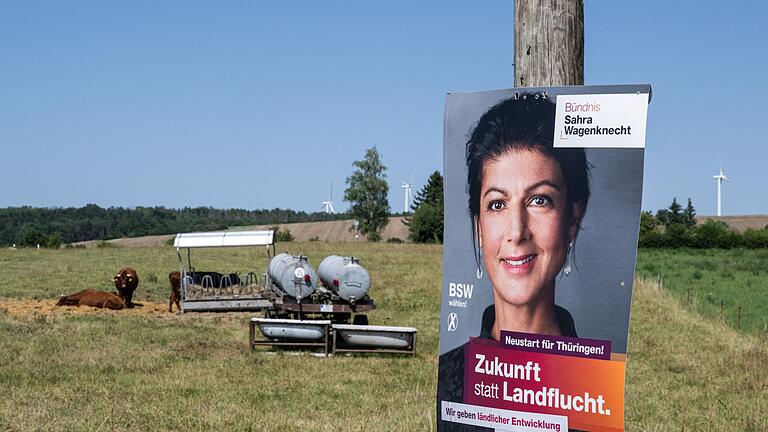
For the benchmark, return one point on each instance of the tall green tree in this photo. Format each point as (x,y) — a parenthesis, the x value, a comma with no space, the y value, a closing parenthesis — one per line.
(426,224)
(432,192)
(367,192)
(689,215)
(675,212)
(671,215)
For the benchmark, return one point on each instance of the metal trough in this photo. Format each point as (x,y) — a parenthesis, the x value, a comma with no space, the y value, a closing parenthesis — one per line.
(290,333)
(366,338)
(292,329)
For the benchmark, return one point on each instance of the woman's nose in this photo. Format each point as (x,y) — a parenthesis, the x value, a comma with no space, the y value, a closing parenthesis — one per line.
(517,226)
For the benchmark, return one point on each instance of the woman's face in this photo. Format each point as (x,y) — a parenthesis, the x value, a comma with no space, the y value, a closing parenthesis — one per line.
(524,225)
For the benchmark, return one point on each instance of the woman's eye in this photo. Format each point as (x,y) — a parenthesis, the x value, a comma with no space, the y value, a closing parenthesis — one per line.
(539,201)
(495,205)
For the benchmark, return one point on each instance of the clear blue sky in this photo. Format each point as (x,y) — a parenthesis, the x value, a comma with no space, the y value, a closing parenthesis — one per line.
(262,105)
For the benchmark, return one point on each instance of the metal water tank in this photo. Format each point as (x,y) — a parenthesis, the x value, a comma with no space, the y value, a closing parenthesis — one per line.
(345,276)
(293,275)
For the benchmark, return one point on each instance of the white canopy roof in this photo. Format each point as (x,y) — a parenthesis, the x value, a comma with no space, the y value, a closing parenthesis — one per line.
(224,239)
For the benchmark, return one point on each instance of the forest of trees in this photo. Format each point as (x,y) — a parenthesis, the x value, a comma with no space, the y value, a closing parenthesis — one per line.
(50,227)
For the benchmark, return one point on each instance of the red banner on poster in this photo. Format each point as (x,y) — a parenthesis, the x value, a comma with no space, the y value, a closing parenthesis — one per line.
(590,392)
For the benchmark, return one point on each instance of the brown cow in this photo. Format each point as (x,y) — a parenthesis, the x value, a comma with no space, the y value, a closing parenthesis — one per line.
(175,279)
(126,282)
(89,297)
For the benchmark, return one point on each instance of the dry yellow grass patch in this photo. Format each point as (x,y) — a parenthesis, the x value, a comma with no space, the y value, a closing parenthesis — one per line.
(22,309)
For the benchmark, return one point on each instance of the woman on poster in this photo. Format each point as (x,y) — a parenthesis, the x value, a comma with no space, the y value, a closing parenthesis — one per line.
(527,199)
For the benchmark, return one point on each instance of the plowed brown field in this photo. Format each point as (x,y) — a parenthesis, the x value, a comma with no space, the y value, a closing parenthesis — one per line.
(331,231)
(739,223)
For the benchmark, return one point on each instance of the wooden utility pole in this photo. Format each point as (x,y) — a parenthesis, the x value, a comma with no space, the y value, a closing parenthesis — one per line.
(549,43)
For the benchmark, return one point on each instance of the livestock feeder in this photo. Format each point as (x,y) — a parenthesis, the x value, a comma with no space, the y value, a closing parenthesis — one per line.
(203,291)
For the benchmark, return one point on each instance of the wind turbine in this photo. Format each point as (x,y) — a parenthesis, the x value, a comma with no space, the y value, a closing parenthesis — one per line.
(328,205)
(719,178)
(408,186)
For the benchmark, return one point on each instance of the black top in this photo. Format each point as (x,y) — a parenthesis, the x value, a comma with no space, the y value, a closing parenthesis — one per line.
(450,375)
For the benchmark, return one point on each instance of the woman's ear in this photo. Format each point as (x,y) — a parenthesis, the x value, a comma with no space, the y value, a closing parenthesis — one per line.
(577,212)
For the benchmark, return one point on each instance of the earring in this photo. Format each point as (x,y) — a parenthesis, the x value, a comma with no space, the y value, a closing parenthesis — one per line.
(478,249)
(479,259)
(567,268)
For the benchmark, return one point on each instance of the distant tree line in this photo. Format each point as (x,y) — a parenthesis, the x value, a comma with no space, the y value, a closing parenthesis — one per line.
(50,227)
(676,227)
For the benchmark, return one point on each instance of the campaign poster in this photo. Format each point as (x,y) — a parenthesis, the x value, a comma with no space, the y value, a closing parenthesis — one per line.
(543,192)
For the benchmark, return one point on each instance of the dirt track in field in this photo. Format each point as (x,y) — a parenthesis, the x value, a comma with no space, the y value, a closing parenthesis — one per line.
(331,231)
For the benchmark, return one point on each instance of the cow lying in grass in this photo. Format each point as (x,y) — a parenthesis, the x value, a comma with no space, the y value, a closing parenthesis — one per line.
(175,279)
(126,282)
(94,298)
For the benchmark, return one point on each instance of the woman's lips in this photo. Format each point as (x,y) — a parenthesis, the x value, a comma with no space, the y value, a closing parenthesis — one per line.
(518,264)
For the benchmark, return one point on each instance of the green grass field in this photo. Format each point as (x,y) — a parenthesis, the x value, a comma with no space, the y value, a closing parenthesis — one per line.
(731,285)
(125,371)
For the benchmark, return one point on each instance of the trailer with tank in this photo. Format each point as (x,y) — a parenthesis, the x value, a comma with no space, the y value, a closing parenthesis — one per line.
(302,307)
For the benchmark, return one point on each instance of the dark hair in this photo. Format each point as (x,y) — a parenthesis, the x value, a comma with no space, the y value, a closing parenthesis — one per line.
(524,122)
